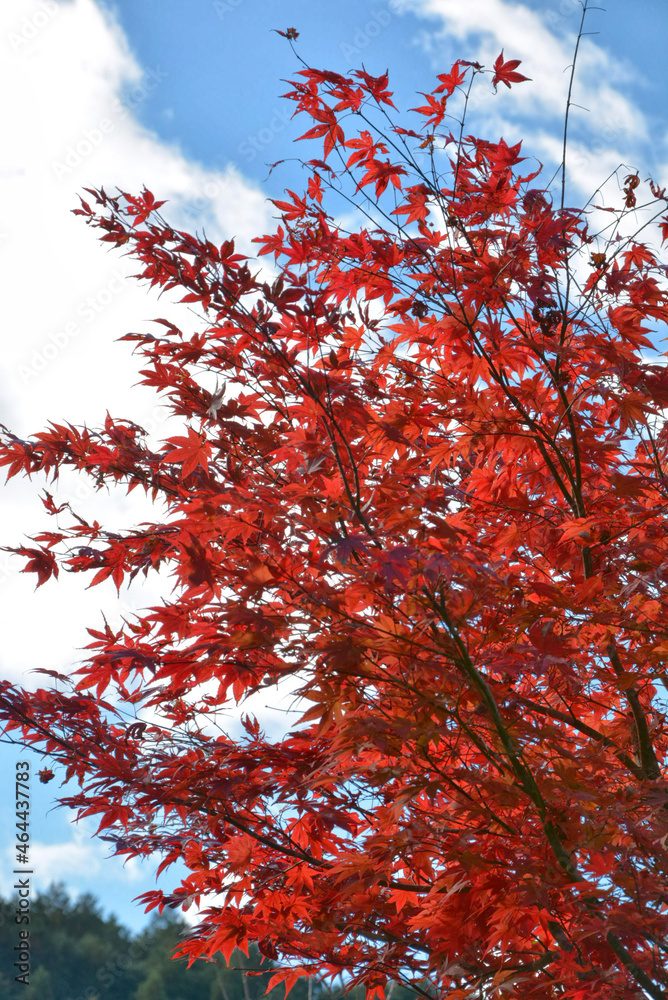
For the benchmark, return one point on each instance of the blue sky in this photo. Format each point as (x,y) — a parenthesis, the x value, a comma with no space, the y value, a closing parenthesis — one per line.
(184,97)
(225,64)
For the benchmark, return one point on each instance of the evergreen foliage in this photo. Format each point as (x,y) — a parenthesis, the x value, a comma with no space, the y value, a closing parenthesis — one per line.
(78,953)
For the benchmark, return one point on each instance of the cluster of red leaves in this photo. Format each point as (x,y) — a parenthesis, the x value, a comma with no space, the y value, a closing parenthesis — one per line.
(432,495)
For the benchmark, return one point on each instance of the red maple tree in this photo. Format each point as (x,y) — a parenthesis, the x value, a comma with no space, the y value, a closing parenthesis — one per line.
(429,490)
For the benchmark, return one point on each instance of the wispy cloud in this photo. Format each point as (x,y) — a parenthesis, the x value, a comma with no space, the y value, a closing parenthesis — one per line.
(72,121)
(74,861)
(606,124)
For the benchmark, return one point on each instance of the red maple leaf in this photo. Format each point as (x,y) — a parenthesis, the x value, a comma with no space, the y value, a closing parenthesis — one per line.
(431,505)
(504,72)
(291,33)
(450,81)
(41,561)
(191,451)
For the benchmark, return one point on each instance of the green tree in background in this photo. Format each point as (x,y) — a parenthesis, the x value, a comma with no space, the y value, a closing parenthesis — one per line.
(77,953)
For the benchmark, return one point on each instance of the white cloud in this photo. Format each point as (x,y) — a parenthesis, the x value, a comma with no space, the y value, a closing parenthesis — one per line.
(70,122)
(75,862)
(611,128)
